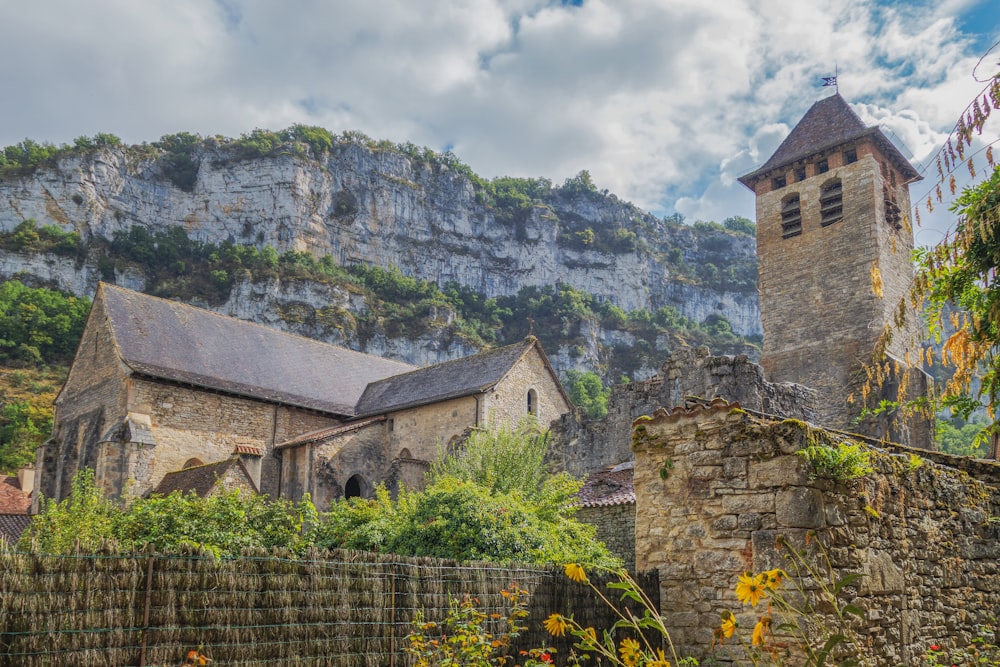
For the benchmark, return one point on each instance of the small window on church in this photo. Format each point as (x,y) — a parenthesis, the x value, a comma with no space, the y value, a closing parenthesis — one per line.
(390,425)
(192,463)
(532,402)
(831,202)
(800,173)
(822,167)
(778,182)
(791,216)
(850,156)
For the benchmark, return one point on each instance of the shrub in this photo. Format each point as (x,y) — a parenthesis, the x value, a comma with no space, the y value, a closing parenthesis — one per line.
(842,462)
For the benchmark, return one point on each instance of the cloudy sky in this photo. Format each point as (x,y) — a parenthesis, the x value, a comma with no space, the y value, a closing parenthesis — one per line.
(663,101)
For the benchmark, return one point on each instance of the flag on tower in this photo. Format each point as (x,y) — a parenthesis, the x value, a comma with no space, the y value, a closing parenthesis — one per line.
(829,81)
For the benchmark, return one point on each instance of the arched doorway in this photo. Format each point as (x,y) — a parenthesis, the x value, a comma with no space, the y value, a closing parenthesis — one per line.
(356,487)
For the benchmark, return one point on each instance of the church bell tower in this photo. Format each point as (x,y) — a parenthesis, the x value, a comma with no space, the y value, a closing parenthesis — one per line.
(834,245)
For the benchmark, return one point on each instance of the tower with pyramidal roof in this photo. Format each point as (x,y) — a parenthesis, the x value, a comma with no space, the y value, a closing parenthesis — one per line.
(834,244)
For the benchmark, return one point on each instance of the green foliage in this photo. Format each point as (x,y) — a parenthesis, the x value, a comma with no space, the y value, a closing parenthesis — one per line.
(39,325)
(842,462)
(958,273)
(464,638)
(180,160)
(223,523)
(962,438)
(740,225)
(588,393)
(28,237)
(492,500)
(84,519)
(24,426)
(579,185)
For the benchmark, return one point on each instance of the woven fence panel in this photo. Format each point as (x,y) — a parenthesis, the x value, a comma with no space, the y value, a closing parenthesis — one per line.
(342,609)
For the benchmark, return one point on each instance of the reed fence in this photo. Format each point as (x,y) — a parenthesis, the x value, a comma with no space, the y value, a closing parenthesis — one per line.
(337,609)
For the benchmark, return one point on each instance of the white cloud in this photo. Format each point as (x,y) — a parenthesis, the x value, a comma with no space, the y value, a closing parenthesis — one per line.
(664,101)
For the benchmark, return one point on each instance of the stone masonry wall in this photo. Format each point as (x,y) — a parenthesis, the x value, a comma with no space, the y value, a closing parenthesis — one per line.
(582,446)
(91,400)
(190,423)
(615,527)
(509,401)
(920,529)
(828,292)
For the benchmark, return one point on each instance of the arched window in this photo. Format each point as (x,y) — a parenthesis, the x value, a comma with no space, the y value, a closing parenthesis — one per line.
(791,216)
(404,453)
(831,202)
(355,487)
(532,402)
(191,463)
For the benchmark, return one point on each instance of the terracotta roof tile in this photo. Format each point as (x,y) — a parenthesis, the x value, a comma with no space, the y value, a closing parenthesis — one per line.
(175,341)
(611,486)
(248,450)
(12,499)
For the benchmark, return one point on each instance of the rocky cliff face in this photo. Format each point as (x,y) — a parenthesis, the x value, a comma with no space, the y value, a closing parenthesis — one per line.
(363,204)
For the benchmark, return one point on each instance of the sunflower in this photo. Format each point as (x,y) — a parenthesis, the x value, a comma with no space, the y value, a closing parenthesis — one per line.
(660,661)
(575,572)
(762,628)
(556,625)
(728,624)
(629,651)
(773,578)
(750,588)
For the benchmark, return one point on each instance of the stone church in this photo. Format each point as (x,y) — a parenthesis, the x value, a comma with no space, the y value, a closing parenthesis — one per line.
(158,387)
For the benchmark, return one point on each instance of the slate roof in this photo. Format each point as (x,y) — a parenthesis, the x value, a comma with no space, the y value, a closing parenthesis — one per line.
(174,341)
(829,122)
(611,486)
(450,379)
(12,499)
(199,479)
(13,525)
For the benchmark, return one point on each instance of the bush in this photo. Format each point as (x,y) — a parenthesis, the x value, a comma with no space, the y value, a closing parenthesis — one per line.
(39,325)
(588,393)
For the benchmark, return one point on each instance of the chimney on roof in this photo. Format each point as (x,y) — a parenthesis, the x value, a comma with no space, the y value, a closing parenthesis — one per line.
(26,480)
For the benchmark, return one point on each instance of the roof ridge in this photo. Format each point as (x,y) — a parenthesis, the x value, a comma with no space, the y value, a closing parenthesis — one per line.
(530,340)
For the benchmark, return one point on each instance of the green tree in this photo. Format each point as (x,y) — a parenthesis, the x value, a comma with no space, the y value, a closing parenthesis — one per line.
(588,393)
(39,325)
(491,499)
(23,427)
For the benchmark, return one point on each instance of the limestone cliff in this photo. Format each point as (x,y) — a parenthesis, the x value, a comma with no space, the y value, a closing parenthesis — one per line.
(370,203)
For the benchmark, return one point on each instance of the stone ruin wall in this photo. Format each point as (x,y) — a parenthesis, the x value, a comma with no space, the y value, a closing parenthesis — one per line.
(581,446)
(922,531)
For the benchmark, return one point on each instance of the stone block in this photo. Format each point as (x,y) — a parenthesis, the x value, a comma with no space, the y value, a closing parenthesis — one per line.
(799,507)
(779,471)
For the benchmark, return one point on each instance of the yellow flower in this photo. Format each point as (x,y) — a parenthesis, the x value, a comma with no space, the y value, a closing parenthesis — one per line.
(774,578)
(763,627)
(576,573)
(589,637)
(556,625)
(661,660)
(728,624)
(629,651)
(750,588)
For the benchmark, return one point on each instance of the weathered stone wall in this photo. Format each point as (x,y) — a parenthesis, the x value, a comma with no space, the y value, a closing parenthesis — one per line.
(828,292)
(333,462)
(508,402)
(424,430)
(615,527)
(581,446)
(190,423)
(919,529)
(92,399)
